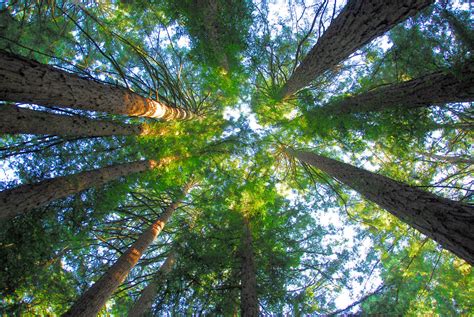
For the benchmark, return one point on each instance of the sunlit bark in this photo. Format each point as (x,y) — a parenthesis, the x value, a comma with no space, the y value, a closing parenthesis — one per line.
(27,81)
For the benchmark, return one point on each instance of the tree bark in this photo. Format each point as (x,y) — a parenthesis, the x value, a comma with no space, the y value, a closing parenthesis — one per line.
(16,120)
(27,81)
(90,303)
(448,222)
(23,198)
(432,89)
(248,295)
(143,304)
(359,22)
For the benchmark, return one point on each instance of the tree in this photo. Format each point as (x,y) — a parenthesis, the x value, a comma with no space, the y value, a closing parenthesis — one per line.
(357,24)
(143,304)
(248,297)
(90,303)
(446,221)
(17,120)
(432,89)
(23,198)
(28,81)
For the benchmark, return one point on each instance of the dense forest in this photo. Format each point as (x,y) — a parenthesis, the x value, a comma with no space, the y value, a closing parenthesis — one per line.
(236,158)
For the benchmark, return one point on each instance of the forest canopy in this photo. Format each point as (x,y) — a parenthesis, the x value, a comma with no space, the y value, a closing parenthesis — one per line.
(236,158)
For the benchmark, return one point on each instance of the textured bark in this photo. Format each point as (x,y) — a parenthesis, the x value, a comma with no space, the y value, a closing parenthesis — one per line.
(90,303)
(27,81)
(16,120)
(358,23)
(432,89)
(26,197)
(248,295)
(448,222)
(143,304)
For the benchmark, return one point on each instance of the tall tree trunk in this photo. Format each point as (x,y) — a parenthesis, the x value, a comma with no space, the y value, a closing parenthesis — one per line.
(90,303)
(26,197)
(448,222)
(248,295)
(27,81)
(16,120)
(358,23)
(432,89)
(143,304)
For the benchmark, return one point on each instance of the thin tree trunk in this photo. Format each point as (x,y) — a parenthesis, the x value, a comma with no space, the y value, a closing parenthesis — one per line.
(358,23)
(248,295)
(23,198)
(143,304)
(448,222)
(432,89)
(27,81)
(90,303)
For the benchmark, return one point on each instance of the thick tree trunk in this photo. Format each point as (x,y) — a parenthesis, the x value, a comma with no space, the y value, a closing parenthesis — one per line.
(27,81)
(90,303)
(143,304)
(358,23)
(432,89)
(16,120)
(248,295)
(448,222)
(26,197)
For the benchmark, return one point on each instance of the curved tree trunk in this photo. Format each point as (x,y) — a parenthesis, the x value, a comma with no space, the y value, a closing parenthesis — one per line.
(143,304)
(27,81)
(448,222)
(248,295)
(358,23)
(23,198)
(90,303)
(432,89)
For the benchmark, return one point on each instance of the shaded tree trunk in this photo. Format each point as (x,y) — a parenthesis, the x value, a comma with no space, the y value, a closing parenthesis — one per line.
(27,81)
(143,304)
(359,22)
(90,303)
(23,198)
(248,294)
(432,89)
(448,222)
(16,120)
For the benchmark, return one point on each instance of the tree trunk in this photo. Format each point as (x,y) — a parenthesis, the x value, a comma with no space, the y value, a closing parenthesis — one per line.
(432,89)
(143,304)
(448,222)
(90,303)
(248,295)
(16,120)
(26,197)
(358,23)
(27,81)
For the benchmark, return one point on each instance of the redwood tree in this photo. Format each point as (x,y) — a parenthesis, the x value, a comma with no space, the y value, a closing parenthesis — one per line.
(359,22)
(27,81)
(448,222)
(248,293)
(90,303)
(23,198)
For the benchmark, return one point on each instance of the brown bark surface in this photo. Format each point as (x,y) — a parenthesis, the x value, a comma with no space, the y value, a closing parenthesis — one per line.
(143,304)
(358,23)
(448,222)
(248,294)
(26,197)
(16,120)
(432,89)
(90,303)
(27,81)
